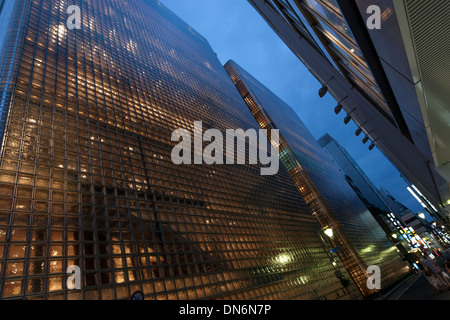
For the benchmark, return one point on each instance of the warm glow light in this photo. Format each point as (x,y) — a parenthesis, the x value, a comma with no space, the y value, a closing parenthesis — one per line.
(61,31)
(283,258)
(329,232)
(422,215)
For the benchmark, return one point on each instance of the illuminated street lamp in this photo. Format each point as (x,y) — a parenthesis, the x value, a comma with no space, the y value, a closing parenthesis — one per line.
(329,232)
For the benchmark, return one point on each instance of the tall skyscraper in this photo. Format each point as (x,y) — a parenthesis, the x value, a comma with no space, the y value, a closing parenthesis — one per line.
(351,169)
(357,238)
(381,62)
(87,180)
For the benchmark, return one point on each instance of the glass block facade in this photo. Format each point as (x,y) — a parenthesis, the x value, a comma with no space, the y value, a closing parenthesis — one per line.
(368,193)
(86,176)
(360,239)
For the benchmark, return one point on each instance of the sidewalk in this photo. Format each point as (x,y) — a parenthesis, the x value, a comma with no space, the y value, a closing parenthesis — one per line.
(418,288)
(397,292)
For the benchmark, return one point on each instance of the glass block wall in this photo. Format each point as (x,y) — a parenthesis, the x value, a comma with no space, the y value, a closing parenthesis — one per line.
(361,239)
(86,176)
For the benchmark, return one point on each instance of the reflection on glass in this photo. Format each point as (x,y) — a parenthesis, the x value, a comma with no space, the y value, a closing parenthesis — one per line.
(86,176)
(349,228)
(329,22)
(330,16)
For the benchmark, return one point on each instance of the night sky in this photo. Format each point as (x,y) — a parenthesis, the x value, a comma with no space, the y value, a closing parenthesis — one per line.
(236,31)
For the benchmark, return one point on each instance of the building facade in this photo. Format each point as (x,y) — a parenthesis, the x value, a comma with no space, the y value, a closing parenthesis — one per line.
(369,194)
(384,77)
(356,237)
(351,169)
(419,230)
(87,180)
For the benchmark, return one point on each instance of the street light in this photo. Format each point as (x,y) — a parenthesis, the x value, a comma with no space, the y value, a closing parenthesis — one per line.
(323,91)
(338,109)
(347,119)
(329,232)
(358,132)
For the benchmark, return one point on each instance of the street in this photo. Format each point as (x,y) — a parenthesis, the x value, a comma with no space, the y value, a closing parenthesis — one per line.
(421,289)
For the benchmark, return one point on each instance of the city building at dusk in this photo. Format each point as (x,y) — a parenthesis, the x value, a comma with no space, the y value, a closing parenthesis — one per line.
(377,60)
(135,165)
(360,239)
(87,181)
(387,217)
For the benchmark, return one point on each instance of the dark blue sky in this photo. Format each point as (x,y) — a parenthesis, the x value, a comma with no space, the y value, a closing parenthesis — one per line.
(236,31)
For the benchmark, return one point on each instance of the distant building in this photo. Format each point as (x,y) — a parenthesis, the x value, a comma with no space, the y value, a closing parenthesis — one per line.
(366,191)
(408,218)
(353,173)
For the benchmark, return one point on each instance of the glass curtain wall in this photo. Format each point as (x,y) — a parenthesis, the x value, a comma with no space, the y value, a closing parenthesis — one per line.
(327,26)
(86,176)
(356,237)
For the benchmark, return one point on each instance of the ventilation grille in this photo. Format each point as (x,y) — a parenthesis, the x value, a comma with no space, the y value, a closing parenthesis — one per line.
(430,28)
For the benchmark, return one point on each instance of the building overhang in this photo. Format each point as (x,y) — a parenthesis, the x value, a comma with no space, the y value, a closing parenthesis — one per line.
(425,29)
(357,25)
(399,149)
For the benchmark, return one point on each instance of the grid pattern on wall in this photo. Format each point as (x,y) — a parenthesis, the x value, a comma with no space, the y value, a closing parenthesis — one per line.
(86,176)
